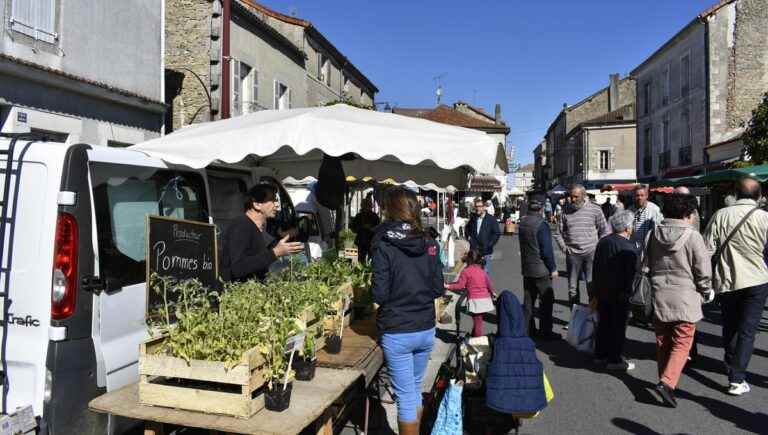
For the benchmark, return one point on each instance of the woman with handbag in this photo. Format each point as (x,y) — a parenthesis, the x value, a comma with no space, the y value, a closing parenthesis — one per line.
(680,274)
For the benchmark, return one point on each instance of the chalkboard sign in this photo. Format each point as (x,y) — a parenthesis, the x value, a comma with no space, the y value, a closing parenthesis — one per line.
(181,249)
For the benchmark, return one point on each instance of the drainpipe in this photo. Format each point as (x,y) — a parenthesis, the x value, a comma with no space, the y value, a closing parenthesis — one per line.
(707,84)
(226,16)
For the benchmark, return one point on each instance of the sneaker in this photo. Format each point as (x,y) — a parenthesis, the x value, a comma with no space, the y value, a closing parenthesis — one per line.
(623,366)
(737,389)
(667,394)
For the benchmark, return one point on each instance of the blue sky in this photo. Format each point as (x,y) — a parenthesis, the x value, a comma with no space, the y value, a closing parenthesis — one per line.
(529,56)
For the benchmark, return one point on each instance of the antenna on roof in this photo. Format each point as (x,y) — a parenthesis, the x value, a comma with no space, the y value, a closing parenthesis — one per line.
(293,11)
(439,91)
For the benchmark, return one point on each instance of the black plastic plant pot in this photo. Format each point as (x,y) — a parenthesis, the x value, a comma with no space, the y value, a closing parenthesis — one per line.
(276,398)
(305,368)
(333,344)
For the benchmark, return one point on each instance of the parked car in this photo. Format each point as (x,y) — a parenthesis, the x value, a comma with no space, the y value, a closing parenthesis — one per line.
(73,266)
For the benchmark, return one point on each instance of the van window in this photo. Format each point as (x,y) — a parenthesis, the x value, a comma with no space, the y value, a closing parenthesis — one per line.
(123,196)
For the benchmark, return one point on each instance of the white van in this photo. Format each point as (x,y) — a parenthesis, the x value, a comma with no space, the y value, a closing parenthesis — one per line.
(73,270)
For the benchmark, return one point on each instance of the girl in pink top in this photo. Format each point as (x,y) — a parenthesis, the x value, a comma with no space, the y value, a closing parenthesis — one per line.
(479,289)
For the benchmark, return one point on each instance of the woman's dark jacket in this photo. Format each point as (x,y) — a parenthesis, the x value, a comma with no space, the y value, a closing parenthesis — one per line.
(614,268)
(515,376)
(407,278)
(245,251)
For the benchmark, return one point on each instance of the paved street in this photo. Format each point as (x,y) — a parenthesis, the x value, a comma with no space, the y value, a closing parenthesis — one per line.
(589,400)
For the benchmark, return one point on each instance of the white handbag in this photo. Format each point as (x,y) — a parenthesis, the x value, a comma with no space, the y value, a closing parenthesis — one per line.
(582,329)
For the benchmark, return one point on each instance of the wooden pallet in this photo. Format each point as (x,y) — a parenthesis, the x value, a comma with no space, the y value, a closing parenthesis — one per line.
(205,386)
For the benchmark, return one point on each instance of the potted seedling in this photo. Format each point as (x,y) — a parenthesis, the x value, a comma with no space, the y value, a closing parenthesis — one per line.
(305,364)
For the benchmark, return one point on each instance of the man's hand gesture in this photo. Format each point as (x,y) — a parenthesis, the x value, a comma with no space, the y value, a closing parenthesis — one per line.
(284,247)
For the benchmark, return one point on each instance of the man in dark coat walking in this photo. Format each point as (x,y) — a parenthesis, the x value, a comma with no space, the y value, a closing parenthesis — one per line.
(613,272)
(538,268)
(483,233)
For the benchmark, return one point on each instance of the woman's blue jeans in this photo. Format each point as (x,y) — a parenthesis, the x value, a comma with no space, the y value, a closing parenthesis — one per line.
(407,355)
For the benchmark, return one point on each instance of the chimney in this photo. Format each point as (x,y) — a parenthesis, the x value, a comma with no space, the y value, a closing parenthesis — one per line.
(497,114)
(565,106)
(613,92)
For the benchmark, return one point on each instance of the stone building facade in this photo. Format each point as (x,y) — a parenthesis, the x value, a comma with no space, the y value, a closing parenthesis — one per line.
(51,82)
(276,62)
(540,166)
(695,93)
(565,150)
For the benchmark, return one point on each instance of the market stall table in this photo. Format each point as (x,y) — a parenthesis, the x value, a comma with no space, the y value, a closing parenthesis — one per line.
(309,401)
(360,357)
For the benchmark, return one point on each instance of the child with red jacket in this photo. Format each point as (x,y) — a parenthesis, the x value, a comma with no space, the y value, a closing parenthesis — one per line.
(479,289)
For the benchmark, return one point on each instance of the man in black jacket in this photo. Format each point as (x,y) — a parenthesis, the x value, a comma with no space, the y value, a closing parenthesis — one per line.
(483,232)
(613,272)
(538,269)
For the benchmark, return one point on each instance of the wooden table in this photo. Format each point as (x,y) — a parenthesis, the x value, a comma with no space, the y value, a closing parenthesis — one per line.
(360,357)
(309,400)
(359,350)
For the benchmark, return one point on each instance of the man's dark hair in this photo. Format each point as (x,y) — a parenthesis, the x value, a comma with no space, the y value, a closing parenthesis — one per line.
(259,193)
(748,188)
(679,205)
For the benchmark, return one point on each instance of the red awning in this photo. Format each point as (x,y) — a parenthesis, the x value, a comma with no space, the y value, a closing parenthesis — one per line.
(632,186)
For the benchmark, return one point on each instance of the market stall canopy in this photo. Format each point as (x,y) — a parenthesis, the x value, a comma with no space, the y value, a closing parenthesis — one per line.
(292,142)
(758,172)
(484,183)
(557,190)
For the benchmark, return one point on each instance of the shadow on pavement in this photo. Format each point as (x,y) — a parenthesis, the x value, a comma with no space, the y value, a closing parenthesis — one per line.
(754,422)
(633,427)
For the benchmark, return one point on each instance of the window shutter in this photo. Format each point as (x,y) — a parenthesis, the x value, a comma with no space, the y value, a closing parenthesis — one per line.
(255,89)
(22,16)
(235,102)
(611,160)
(290,98)
(276,94)
(45,25)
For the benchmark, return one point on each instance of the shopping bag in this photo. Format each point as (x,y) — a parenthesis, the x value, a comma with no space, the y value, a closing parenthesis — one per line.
(449,416)
(582,328)
(550,393)
(476,352)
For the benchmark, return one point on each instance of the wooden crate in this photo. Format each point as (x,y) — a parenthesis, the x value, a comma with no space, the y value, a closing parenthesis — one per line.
(210,386)
(331,322)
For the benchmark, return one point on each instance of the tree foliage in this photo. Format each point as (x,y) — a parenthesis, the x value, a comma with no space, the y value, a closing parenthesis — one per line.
(756,135)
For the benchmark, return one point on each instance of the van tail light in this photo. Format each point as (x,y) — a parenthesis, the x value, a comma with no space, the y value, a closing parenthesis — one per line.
(64,282)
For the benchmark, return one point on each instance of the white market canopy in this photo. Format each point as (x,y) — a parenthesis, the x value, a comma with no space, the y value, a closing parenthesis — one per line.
(292,142)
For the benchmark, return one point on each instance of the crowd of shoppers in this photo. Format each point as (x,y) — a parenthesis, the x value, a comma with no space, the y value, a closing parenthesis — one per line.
(685,268)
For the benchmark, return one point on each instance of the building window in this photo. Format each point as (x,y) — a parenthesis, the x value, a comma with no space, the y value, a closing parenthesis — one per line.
(245,89)
(664,160)
(35,18)
(665,134)
(685,75)
(282,98)
(647,94)
(605,160)
(684,156)
(323,68)
(685,129)
(666,85)
(647,151)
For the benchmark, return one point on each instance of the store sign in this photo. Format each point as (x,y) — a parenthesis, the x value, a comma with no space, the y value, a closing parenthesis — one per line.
(21,117)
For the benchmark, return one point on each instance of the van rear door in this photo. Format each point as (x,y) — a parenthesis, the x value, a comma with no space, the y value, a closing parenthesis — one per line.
(29,289)
(125,190)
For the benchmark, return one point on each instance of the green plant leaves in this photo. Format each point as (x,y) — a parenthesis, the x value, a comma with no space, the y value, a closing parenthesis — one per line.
(206,325)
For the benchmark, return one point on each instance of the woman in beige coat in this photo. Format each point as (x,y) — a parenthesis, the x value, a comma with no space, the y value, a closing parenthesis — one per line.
(680,273)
